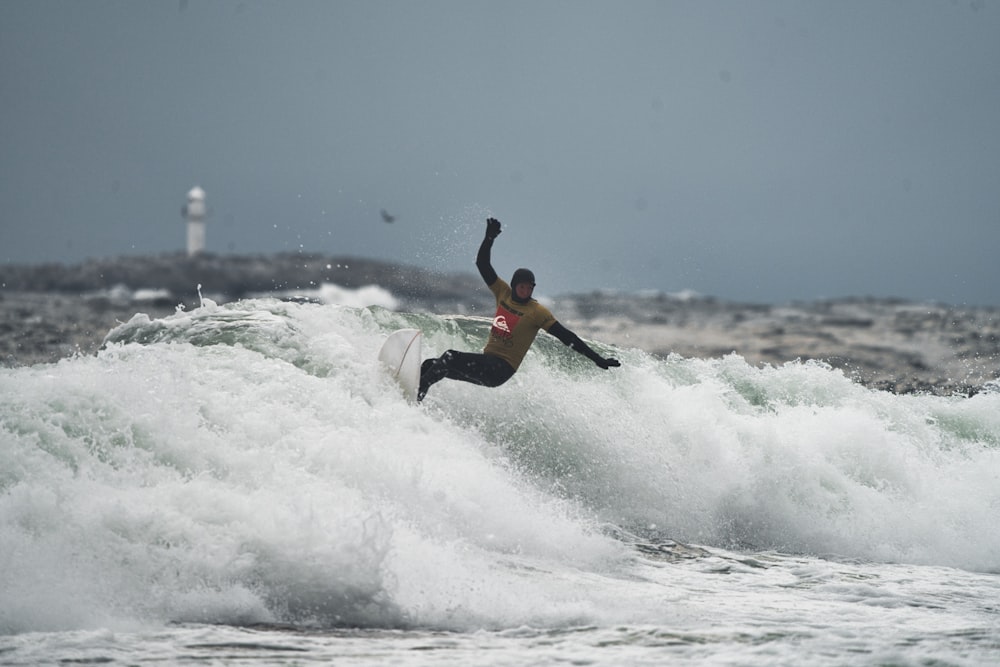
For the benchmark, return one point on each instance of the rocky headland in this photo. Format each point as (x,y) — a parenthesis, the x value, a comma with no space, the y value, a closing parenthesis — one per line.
(52,311)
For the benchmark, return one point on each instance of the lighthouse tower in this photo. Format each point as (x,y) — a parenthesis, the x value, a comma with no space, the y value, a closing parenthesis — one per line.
(194,213)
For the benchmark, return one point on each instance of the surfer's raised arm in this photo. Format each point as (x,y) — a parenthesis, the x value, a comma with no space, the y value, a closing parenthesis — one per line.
(483,262)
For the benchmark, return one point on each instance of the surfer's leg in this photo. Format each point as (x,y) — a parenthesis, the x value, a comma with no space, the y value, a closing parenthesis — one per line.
(481,369)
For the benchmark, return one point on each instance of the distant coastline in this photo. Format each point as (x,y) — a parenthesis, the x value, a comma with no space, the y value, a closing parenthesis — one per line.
(237,276)
(51,311)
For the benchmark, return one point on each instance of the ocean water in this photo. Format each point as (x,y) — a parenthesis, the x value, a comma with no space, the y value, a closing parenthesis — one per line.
(241,484)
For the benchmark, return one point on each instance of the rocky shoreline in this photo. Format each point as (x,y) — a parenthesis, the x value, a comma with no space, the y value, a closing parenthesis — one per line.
(49,312)
(893,345)
(52,311)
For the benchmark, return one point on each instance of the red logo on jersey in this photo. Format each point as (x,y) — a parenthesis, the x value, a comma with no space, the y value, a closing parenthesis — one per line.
(503,323)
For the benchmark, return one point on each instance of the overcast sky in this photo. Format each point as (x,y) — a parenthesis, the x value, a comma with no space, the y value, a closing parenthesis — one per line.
(753,150)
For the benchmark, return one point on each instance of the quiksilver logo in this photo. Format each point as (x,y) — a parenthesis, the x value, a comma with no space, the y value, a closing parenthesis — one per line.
(500,324)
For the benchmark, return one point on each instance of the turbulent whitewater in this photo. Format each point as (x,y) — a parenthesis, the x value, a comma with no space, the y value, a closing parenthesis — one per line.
(249,468)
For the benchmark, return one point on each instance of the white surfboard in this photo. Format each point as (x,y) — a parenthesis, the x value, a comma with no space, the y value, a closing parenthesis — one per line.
(400,354)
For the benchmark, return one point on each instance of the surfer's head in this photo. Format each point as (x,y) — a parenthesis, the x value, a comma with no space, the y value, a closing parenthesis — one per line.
(525,280)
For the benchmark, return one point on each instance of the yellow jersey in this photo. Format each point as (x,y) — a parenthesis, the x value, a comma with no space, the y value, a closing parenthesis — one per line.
(515,325)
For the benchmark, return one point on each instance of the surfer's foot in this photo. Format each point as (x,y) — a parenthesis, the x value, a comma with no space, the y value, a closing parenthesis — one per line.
(425,382)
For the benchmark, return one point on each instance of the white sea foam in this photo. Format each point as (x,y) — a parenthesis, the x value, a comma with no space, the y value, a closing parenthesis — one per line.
(330,294)
(250,463)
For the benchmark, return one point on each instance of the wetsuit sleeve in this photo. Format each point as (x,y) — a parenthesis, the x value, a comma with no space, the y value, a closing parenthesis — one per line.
(574,341)
(484,264)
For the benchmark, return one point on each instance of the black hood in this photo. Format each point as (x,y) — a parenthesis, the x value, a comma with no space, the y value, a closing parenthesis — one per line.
(522,276)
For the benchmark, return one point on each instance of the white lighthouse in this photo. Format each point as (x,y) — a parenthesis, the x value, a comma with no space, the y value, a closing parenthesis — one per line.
(194,213)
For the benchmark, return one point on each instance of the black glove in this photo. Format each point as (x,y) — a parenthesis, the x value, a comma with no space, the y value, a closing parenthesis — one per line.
(608,363)
(492,228)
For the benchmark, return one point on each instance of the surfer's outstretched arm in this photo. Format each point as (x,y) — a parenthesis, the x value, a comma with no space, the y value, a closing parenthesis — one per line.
(574,341)
(483,262)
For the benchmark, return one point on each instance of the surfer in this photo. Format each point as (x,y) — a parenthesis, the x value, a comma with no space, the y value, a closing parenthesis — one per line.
(518,319)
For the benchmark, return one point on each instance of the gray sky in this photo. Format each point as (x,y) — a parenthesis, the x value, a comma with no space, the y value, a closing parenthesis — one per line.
(752,150)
